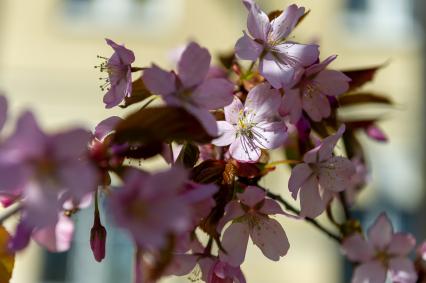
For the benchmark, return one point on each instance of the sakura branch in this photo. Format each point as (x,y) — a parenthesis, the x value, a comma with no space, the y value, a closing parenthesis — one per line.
(215,128)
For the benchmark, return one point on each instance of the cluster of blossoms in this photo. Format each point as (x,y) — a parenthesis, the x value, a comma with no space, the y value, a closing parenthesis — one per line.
(215,129)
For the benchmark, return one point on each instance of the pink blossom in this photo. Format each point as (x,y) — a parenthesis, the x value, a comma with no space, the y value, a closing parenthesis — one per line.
(320,176)
(150,207)
(281,61)
(119,81)
(250,215)
(218,271)
(253,126)
(384,252)
(310,93)
(58,237)
(190,88)
(45,170)
(106,127)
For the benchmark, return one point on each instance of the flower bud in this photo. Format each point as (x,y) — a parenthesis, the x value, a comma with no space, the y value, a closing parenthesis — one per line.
(98,236)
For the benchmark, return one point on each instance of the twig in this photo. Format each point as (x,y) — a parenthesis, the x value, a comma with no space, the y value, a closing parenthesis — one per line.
(310,220)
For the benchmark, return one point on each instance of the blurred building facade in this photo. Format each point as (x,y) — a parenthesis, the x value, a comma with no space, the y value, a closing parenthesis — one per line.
(48,49)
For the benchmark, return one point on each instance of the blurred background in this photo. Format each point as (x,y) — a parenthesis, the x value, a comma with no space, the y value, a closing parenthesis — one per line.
(48,52)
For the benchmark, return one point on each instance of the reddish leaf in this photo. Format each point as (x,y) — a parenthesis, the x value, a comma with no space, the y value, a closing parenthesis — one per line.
(139,93)
(160,124)
(209,171)
(189,155)
(362,98)
(360,77)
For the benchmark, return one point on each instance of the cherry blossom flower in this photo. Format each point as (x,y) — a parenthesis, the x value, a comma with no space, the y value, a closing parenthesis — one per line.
(320,176)
(384,252)
(221,272)
(250,215)
(253,126)
(44,170)
(310,93)
(119,81)
(190,88)
(281,61)
(150,207)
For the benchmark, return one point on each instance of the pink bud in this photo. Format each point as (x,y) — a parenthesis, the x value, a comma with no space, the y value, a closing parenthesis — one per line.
(98,236)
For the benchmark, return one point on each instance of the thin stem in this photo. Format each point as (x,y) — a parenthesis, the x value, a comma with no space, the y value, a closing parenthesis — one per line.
(138,276)
(247,73)
(10,212)
(345,205)
(307,219)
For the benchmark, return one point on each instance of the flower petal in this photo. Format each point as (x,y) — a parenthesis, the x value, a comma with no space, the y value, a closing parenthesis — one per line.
(357,249)
(332,82)
(251,196)
(271,207)
(233,210)
(159,81)
(285,23)
(193,65)
(291,104)
(335,174)
(213,94)
(299,175)
(206,119)
(105,127)
(269,236)
(371,272)
(327,145)
(118,91)
(126,56)
(299,54)
(401,244)
(270,135)
(244,150)
(247,49)
(311,203)
(56,238)
(316,68)
(258,23)
(316,105)
(234,241)
(402,270)
(263,102)
(232,111)
(277,74)
(381,232)
(71,144)
(227,134)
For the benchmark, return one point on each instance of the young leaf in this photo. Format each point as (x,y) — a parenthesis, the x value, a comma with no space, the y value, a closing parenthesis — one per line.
(7,260)
(362,98)
(160,124)
(361,76)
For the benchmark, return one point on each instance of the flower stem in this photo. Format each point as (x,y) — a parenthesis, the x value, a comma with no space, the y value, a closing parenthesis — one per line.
(307,219)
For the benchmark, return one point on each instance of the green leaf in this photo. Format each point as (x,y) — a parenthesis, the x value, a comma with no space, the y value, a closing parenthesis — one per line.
(160,124)
(7,259)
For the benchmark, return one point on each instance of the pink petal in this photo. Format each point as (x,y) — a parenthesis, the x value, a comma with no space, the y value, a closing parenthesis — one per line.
(332,82)
(357,249)
(233,210)
(291,105)
(258,23)
(159,81)
(402,270)
(105,127)
(206,119)
(277,74)
(78,178)
(316,105)
(299,175)
(234,242)
(232,111)
(247,49)
(118,91)
(3,111)
(263,102)
(269,236)
(381,232)
(316,68)
(335,174)
(56,238)
(251,196)
(13,177)
(227,134)
(371,272)
(285,23)
(244,151)
(270,135)
(193,65)
(213,94)
(71,144)
(401,244)
(182,264)
(327,146)
(159,183)
(303,54)
(311,203)
(125,55)
(271,207)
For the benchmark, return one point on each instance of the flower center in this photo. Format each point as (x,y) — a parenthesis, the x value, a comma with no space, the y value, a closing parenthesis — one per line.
(383,257)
